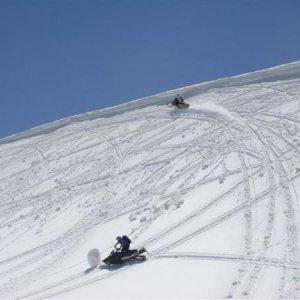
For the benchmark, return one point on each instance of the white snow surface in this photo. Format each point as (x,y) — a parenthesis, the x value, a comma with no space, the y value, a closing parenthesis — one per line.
(212,192)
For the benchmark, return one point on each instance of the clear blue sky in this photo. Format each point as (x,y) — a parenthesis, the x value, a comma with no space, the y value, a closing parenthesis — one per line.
(60,58)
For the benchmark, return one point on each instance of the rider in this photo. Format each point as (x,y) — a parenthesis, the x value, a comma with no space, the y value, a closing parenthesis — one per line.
(177,100)
(124,243)
(180,98)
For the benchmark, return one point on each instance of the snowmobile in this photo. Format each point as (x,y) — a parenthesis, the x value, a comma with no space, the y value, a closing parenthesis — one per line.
(116,257)
(179,103)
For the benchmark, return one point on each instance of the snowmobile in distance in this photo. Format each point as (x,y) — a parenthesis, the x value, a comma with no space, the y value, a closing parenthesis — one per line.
(117,257)
(179,102)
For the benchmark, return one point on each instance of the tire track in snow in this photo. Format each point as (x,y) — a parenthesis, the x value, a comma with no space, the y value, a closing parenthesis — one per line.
(288,280)
(202,209)
(216,221)
(249,279)
(266,145)
(265,261)
(246,184)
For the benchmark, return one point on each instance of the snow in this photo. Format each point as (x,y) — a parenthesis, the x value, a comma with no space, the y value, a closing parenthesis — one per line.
(212,192)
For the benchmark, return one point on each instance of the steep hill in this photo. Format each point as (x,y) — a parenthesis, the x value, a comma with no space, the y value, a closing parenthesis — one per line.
(212,192)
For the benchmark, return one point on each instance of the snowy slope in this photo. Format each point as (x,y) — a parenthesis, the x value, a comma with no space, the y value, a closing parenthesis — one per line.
(212,192)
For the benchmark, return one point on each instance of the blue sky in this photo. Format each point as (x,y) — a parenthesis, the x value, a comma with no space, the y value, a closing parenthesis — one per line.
(60,58)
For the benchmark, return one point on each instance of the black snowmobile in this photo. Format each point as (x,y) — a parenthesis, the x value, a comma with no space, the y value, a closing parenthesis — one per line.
(116,257)
(179,102)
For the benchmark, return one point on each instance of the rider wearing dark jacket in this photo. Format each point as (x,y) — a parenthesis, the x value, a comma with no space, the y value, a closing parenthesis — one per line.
(124,243)
(177,100)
